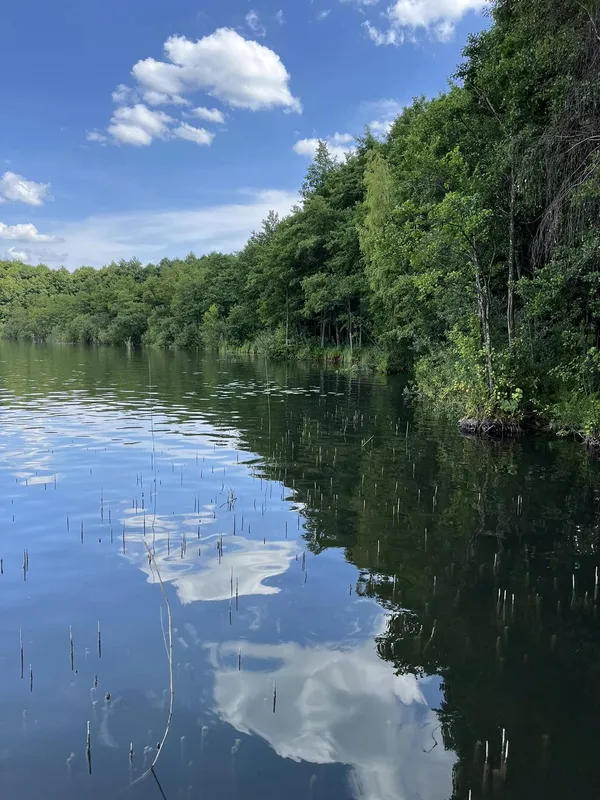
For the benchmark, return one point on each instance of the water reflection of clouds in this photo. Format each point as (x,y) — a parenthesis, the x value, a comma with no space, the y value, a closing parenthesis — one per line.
(99,419)
(337,706)
(201,577)
(89,425)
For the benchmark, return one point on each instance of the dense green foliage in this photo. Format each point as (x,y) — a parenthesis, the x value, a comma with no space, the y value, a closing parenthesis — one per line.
(464,248)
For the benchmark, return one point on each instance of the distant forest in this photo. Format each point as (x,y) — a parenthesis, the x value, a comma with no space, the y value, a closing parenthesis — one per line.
(463,249)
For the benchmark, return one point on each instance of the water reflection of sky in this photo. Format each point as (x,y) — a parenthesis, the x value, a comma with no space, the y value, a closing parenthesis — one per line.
(338,703)
(199,574)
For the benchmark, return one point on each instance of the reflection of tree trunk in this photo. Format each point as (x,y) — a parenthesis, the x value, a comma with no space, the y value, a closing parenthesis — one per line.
(350,328)
(510,310)
(360,336)
(483,311)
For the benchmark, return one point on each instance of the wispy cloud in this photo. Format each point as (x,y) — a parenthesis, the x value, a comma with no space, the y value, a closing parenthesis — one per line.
(38,256)
(152,235)
(381,114)
(254,23)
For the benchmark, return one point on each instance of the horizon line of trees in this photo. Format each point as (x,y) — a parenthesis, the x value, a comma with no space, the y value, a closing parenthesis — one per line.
(463,248)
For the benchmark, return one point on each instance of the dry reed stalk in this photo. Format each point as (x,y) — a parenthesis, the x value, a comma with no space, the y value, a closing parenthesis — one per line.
(88,748)
(169,650)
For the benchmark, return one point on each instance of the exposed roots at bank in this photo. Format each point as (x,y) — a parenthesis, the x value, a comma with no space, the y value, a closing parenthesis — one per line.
(493,428)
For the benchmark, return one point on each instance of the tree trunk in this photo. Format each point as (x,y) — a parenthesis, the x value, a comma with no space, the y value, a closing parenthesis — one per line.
(510,308)
(322,334)
(337,334)
(483,311)
(287,320)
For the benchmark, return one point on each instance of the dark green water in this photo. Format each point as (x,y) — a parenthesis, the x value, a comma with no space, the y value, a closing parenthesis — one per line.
(414,599)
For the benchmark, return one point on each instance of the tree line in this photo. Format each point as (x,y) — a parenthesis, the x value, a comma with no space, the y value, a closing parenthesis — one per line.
(462,248)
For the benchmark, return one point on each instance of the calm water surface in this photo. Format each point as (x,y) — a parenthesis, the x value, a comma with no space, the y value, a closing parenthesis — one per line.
(364,604)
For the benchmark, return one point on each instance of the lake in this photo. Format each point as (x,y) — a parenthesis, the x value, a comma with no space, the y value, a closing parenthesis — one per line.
(352,599)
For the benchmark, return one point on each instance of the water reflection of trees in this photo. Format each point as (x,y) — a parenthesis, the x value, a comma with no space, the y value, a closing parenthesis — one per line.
(470,546)
(485,599)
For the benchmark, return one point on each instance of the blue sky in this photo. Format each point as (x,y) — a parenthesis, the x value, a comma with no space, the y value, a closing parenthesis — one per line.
(150,128)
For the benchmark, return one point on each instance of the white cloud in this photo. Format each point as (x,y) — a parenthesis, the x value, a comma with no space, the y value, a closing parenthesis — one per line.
(18,189)
(423,13)
(209,114)
(444,30)
(279,17)
(123,95)
(12,254)
(391,36)
(323,14)
(338,145)
(138,125)
(254,23)
(238,71)
(162,99)
(405,17)
(25,232)
(40,256)
(380,127)
(382,114)
(96,136)
(152,235)
(192,134)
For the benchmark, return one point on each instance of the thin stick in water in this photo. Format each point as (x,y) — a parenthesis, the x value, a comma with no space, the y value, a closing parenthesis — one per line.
(88,748)
(160,746)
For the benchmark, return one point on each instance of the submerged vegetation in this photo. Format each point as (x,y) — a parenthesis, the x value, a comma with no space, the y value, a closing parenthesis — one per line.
(463,249)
